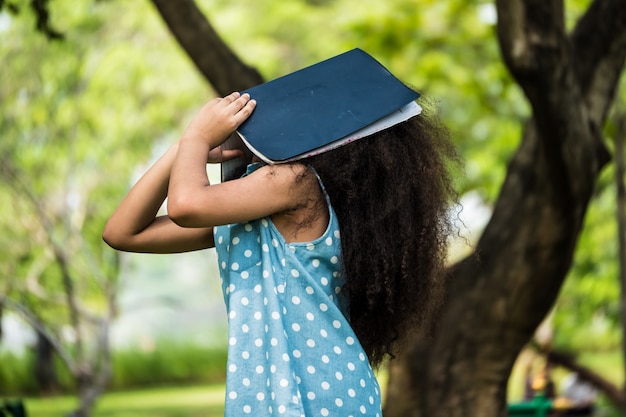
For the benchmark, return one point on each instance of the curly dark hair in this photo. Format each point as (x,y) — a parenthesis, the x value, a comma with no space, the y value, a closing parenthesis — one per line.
(392,193)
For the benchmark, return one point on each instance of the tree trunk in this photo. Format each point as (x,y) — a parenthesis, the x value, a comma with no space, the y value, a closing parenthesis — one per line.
(88,393)
(45,373)
(526,250)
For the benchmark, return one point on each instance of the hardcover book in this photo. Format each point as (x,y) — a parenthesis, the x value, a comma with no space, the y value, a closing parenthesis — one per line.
(319,108)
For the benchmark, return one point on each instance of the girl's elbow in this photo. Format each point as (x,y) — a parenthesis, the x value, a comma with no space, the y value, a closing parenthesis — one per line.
(190,213)
(117,240)
(112,239)
(178,210)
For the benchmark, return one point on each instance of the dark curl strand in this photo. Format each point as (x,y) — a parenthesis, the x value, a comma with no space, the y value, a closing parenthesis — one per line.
(392,193)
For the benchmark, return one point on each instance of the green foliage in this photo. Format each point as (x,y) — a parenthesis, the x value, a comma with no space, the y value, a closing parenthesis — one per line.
(588,316)
(15,374)
(168,362)
(164,363)
(78,117)
(588,311)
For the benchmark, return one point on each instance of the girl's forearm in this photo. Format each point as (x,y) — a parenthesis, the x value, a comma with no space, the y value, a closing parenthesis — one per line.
(188,199)
(139,208)
(188,180)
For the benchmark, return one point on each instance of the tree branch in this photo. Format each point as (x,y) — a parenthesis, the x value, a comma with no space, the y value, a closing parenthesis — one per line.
(599,44)
(612,391)
(529,31)
(42,15)
(213,58)
(537,52)
(16,181)
(595,35)
(41,328)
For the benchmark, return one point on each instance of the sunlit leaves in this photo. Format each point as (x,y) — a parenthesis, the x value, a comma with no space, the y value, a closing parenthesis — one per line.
(78,116)
(588,311)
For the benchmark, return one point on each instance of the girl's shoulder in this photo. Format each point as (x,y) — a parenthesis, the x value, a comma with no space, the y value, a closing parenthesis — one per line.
(296,179)
(288,170)
(306,218)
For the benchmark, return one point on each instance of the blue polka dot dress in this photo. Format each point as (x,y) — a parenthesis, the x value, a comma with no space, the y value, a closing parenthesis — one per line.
(291,350)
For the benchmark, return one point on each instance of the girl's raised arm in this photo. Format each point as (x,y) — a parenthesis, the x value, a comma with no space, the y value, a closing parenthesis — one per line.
(135,226)
(194,205)
(194,202)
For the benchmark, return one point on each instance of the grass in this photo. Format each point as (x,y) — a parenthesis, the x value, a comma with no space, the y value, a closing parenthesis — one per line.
(194,401)
(184,401)
(207,400)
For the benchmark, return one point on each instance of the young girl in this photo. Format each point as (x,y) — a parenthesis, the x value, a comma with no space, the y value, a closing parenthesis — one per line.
(310,309)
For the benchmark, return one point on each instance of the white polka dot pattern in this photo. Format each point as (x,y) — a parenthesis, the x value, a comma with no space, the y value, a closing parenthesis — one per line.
(291,351)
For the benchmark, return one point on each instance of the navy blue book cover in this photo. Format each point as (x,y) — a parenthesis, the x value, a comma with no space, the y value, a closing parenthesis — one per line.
(310,108)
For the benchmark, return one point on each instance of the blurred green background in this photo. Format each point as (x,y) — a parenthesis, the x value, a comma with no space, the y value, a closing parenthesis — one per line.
(81,118)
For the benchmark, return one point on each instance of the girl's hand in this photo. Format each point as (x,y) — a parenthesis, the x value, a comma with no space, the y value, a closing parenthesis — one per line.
(219,118)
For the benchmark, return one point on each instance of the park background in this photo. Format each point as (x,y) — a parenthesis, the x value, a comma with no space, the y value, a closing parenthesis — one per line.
(92,95)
